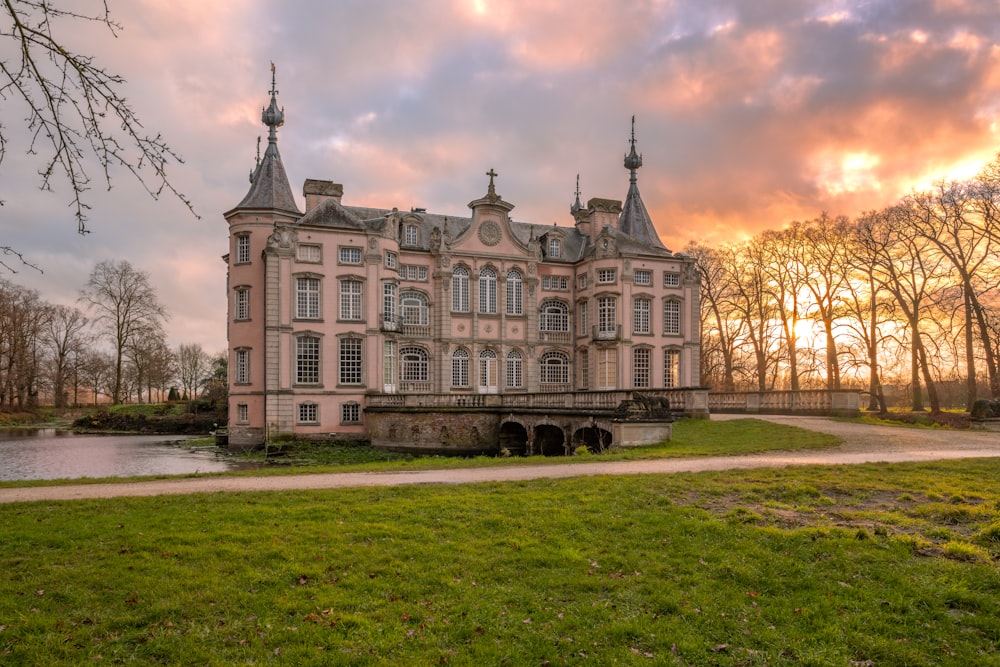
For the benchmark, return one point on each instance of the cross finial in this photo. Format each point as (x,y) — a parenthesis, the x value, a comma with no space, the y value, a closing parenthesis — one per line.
(274,92)
(491,192)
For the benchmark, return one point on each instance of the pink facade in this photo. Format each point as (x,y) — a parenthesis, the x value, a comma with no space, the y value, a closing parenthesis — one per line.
(333,305)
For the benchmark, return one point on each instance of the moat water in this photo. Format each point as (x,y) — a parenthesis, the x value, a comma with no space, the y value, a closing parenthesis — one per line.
(45,453)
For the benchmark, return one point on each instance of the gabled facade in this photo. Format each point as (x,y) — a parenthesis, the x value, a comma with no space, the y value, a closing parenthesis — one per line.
(342,302)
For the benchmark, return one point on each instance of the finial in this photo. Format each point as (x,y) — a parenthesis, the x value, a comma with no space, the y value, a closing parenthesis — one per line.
(272,116)
(633,160)
(258,149)
(576,204)
(491,191)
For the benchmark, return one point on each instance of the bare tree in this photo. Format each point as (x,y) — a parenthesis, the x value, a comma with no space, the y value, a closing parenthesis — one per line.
(22,319)
(95,370)
(65,337)
(73,106)
(126,307)
(193,366)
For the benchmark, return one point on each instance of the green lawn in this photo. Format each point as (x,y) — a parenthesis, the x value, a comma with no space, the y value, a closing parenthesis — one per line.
(861,565)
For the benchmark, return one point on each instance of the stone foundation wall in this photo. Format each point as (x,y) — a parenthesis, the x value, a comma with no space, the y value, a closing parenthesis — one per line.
(451,433)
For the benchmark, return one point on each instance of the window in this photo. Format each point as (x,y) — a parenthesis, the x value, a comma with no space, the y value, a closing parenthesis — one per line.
(242,413)
(388,302)
(411,235)
(241,304)
(582,280)
(243,249)
(606,276)
(554,316)
(671,279)
(460,290)
(307,298)
(350,255)
(607,314)
(555,282)
(488,291)
(640,316)
(555,248)
(307,360)
(488,370)
(640,367)
(642,277)
(412,272)
(515,293)
(391,260)
(583,308)
(671,318)
(308,252)
(413,309)
(515,375)
(350,413)
(389,366)
(672,368)
(583,367)
(607,368)
(241,373)
(414,364)
(308,413)
(350,361)
(460,368)
(350,299)
(554,368)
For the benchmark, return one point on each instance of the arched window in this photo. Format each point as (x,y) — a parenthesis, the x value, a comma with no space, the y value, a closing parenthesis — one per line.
(487,291)
(460,290)
(414,366)
(460,368)
(515,373)
(488,370)
(554,369)
(413,308)
(554,316)
(515,300)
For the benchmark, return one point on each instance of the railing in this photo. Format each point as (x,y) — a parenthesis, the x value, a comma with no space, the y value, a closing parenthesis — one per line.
(387,324)
(607,334)
(806,401)
(553,336)
(416,330)
(685,400)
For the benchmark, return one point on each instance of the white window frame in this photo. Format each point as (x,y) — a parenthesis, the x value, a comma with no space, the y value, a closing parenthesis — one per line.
(242,249)
(311,253)
(307,413)
(460,290)
(389,301)
(307,298)
(641,367)
(583,307)
(349,255)
(553,316)
(351,301)
(460,368)
(607,276)
(242,413)
(671,368)
(641,315)
(413,308)
(555,248)
(308,360)
(515,370)
(553,368)
(671,317)
(241,303)
(414,364)
(515,293)
(607,314)
(671,279)
(241,367)
(643,277)
(350,357)
(487,291)
(350,412)
(583,364)
(391,260)
(411,235)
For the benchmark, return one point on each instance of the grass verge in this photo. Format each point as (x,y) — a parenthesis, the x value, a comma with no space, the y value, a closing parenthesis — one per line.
(868,565)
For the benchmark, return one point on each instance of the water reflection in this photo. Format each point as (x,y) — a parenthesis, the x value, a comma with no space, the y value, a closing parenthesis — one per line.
(44,453)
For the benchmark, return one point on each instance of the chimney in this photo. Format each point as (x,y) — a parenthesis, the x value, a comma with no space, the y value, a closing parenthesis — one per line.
(317,192)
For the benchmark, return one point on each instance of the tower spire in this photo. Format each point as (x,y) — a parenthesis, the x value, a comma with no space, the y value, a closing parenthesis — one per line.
(576,204)
(272,116)
(634,219)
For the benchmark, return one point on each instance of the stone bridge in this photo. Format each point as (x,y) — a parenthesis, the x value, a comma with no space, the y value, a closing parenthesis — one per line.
(550,424)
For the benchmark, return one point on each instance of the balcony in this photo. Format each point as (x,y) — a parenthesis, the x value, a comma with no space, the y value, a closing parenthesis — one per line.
(553,336)
(614,333)
(388,324)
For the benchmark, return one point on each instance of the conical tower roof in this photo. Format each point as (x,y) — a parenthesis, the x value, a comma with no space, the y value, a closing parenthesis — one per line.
(269,187)
(634,219)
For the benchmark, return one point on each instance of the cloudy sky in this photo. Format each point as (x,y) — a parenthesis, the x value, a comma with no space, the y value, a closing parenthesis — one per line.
(749,114)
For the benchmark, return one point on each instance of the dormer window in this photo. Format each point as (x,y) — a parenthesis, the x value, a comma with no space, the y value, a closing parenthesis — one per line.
(411,235)
(555,248)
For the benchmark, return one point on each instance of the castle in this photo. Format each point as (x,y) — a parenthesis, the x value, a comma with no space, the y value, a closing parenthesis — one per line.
(343,313)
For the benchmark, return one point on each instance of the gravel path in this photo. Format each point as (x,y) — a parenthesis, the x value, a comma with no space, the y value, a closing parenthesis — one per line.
(862,444)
